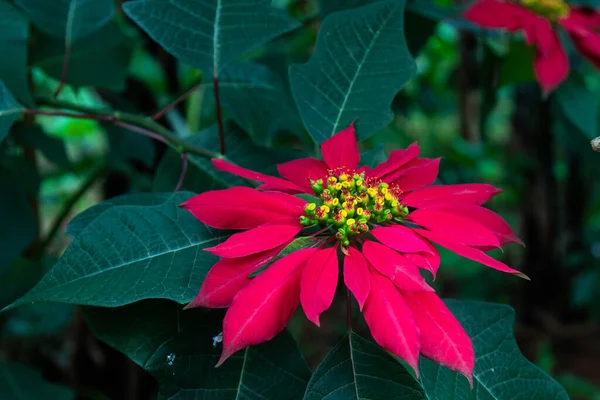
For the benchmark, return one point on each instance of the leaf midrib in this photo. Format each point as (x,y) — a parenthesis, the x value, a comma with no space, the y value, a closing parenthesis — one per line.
(360,66)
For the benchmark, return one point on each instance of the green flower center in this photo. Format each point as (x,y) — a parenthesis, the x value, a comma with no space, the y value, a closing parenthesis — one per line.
(550,9)
(350,204)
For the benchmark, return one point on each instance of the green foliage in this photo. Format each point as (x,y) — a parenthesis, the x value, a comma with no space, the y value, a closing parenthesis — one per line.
(359,369)
(360,62)
(18,382)
(9,111)
(501,371)
(14,33)
(68,19)
(180,349)
(209,34)
(298,244)
(144,252)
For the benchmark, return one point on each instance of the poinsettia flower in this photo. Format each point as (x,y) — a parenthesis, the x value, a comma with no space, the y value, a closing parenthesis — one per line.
(380,224)
(539,20)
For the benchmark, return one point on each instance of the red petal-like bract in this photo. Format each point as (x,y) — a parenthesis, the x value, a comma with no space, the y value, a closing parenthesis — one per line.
(391,322)
(273,182)
(241,208)
(341,150)
(484,217)
(551,63)
(442,337)
(319,280)
(227,277)
(469,252)
(265,237)
(472,193)
(498,14)
(261,310)
(402,239)
(458,228)
(356,276)
(302,171)
(417,173)
(397,268)
(394,163)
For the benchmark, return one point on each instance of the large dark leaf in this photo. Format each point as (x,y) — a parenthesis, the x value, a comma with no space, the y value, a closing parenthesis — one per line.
(18,382)
(180,348)
(209,34)
(14,34)
(101,59)
(9,111)
(360,62)
(579,105)
(359,369)
(68,19)
(501,371)
(131,252)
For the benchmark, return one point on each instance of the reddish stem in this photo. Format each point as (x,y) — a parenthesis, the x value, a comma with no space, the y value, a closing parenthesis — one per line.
(63,72)
(184,167)
(159,114)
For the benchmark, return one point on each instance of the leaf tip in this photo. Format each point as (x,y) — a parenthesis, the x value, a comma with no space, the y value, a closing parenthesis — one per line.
(522,275)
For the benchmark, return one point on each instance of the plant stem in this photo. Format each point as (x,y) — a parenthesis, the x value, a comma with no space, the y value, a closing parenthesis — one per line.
(68,206)
(184,167)
(136,123)
(348,311)
(64,71)
(218,113)
(158,115)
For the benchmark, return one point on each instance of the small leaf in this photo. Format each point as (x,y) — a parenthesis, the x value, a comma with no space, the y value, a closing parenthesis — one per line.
(130,253)
(359,369)
(20,382)
(209,34)
(305,242)
(9,111)
(181,348)
(71,19)
(14,36)
(501,371)
(360,62)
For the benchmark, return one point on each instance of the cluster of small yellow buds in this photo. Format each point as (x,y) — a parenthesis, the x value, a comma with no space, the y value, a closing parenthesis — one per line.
(551,9)
(350,203)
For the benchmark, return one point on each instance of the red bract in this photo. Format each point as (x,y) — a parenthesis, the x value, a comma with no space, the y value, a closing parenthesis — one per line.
(378,223)
(538,19)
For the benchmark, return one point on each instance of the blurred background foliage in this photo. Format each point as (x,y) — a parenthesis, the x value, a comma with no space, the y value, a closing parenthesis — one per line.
(473,102)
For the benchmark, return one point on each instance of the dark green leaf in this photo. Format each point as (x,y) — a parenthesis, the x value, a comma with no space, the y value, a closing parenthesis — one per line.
(9,111)
(360,62)
(82,220)
(52,148)
(209,34)
(19,223)
(129,253)
(179,349)
(18,382)
(327,7)
(501,371)
(70,19)
(373,157)
(305,242)
(14,35)
(255,100)
(579,105)
(359,369)
(100,59)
